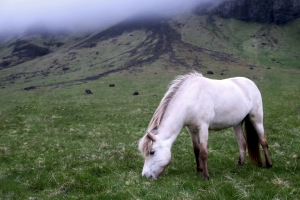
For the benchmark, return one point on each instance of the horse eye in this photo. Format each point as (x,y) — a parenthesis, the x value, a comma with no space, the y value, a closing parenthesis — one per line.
(152,152)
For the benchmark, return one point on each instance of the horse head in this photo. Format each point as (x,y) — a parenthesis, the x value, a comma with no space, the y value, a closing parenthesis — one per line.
(156,153)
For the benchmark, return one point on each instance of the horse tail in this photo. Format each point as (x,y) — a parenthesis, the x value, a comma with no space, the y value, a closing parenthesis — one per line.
(252,142)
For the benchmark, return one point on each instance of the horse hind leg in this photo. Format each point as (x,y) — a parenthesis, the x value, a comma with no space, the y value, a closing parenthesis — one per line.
(194,133)
(238,131)
(264,143)
(259,128)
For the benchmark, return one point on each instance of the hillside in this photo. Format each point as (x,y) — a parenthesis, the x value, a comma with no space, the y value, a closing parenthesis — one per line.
(187,41)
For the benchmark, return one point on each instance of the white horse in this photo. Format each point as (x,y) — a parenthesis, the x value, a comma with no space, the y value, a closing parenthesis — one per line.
(201,104)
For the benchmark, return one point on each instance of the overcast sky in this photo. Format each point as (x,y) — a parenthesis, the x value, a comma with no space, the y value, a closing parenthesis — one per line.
(17,15)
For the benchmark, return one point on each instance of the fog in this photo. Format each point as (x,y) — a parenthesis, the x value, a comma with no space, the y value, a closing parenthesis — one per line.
(17,15)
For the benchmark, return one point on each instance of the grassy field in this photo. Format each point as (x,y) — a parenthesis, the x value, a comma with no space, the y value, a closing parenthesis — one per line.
(62,144)
(57,143)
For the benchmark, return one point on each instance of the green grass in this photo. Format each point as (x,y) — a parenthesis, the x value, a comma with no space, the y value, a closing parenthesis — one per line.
(57,143)
(62,144)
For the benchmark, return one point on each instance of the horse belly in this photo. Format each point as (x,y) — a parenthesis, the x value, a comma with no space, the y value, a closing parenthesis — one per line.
(222,125)
(228,117)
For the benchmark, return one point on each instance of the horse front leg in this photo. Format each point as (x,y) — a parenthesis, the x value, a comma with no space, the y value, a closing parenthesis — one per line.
(204,157)
(199,164)
(203,150)
(194,133)
(200,139)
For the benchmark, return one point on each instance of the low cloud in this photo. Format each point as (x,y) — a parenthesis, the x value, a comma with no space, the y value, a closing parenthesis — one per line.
(17,15)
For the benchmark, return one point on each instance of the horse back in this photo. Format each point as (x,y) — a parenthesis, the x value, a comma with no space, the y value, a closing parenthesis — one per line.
(222,103)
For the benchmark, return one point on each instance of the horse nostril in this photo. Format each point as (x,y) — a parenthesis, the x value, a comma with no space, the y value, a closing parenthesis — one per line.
(146,175)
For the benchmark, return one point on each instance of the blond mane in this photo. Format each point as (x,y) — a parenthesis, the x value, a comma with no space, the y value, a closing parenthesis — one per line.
(144,144)
(174,86)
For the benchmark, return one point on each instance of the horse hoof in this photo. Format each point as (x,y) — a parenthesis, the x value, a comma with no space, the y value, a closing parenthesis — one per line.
(260,165)
(199,170)
(205,178)
(268,166)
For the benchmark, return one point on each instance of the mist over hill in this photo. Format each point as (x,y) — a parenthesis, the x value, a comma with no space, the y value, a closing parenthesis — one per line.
(18,15)
(26,17)
(197,39)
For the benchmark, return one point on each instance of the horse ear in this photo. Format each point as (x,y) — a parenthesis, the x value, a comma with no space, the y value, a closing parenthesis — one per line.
(151,136)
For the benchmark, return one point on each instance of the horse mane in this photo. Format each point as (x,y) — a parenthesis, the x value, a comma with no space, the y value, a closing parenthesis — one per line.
(161,109)
(173,88)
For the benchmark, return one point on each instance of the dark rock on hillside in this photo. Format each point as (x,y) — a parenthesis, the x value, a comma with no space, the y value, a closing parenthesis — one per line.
(49,44)
(23,51)
(35,42)
(18,43)
(261,11)
(4,63)
(284,11)
(30,50)
(30,88)
(88,92)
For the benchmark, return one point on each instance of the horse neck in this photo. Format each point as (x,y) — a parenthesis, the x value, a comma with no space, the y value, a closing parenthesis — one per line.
(171,125)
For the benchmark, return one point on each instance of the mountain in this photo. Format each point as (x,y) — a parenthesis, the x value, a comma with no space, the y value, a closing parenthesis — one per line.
(261,11)
(187,41)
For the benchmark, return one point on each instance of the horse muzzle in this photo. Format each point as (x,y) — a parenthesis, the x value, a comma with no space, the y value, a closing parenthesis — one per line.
(149,175)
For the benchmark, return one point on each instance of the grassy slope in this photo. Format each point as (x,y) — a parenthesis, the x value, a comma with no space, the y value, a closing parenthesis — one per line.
(57,143)
(262,44)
